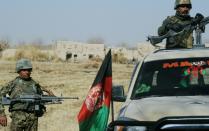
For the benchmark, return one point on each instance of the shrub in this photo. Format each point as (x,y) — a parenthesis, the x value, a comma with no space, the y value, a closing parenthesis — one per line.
(33,53)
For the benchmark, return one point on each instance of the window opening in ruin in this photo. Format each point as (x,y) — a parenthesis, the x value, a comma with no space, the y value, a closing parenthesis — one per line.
(91,56)
(68,56)
(75,55)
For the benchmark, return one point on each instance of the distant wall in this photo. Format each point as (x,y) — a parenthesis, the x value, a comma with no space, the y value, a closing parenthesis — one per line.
(8,53)
(75,51)
(82,52)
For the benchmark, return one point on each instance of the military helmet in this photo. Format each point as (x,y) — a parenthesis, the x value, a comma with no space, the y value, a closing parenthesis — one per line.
(182,2)
(23,64)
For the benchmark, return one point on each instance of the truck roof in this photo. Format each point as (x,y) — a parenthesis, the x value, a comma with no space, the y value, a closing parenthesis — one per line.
(165,54)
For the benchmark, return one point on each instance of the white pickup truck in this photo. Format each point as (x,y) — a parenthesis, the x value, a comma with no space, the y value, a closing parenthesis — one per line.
(169,90)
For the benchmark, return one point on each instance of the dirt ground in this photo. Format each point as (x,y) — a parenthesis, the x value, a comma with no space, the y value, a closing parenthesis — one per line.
(66,79)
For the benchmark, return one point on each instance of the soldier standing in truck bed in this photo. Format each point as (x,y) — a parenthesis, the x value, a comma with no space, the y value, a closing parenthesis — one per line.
(176,22)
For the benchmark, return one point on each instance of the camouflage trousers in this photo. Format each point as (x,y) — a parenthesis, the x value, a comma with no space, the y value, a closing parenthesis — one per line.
(22,121)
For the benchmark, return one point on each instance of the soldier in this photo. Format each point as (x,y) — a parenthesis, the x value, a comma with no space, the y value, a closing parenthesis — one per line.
(176,22)
(22,114)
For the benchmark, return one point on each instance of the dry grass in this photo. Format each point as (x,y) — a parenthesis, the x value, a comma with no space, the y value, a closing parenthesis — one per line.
(31,52)
(119,58)
(68,79)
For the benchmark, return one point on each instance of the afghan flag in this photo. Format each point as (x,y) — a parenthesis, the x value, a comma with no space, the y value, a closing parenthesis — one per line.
(94,113)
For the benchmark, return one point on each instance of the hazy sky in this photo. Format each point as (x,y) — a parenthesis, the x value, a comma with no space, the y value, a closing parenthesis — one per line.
(115,21)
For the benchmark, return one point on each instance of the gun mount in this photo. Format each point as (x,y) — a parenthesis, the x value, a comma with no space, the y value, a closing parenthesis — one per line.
(191,26)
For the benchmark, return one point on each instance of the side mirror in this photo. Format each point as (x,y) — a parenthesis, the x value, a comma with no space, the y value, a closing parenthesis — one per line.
(118,93)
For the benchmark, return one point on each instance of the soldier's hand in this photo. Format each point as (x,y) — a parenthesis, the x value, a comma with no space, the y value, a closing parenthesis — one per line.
(3,120)
(49,92)
(198,17)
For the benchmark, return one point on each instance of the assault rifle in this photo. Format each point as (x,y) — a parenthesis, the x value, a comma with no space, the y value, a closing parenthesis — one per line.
(191,26)
(34,103)
(42,99)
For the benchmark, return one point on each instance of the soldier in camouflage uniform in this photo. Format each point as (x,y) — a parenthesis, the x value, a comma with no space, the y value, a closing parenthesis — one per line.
(176,23)
(22,114)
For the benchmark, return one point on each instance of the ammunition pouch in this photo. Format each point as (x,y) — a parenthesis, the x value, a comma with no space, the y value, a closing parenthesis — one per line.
(37,108)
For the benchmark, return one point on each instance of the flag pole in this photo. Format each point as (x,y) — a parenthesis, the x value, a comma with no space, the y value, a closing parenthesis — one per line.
(112,108)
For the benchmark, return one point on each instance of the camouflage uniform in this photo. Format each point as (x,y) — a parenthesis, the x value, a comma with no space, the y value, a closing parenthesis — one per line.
(179,41)
(176,23)
(23,116)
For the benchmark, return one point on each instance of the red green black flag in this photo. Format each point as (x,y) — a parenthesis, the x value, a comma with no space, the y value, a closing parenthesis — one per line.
(94,113)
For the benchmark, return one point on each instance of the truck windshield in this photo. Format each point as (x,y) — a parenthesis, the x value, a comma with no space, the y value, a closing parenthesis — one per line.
(179,77)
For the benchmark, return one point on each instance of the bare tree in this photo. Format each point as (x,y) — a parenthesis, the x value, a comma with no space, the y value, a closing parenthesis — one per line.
(95,40)
(4,44)
(38,43)
(123,44)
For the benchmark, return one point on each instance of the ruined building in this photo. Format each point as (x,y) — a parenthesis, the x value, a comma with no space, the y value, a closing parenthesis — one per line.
(78,52)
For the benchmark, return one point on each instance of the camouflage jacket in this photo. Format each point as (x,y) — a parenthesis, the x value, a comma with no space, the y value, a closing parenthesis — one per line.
(18,87)
(179,41)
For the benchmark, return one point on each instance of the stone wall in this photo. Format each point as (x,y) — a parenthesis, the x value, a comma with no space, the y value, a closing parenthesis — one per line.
(76,51)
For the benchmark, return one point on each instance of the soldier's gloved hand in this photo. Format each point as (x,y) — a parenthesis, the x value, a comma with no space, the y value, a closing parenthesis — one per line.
(199,17)
(3,120)
(49,92)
